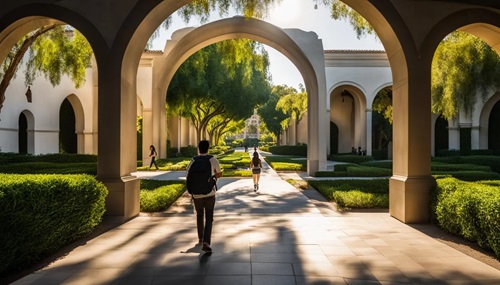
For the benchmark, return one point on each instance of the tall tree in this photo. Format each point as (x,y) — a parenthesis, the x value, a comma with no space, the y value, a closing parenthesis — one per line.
(295,106)
(52,53)
(272,117)
(464,68)
(226,79)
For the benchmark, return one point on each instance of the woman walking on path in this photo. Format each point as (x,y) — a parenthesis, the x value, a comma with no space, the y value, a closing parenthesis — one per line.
(256,166)
(153,155)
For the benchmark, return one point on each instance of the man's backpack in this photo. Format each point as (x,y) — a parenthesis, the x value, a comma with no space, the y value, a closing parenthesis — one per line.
(199,178)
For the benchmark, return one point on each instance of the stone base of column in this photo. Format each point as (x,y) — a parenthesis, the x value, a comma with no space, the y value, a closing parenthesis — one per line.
(312,166)
(409,198)
(123,197)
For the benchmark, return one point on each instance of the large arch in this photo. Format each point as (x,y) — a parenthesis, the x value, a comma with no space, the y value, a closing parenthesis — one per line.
(485,119)
(303,49)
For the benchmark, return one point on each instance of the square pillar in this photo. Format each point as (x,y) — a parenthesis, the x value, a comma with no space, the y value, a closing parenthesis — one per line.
(411,182)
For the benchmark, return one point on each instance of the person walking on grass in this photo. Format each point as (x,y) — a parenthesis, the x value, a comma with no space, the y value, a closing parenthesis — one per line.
(201,182)
(153,155)
(256,166)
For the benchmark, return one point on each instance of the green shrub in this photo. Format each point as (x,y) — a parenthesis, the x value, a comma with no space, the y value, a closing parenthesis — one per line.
(331,174)
(468,209)
(158,195)
(379,154)
(351,158)
(468,175)
(379,164)
(54,158)
(439,166)
(41,213)
(299,150)
(349,193)
(287,166)
(49,168)
(367,171)
(492,161)
(342,166)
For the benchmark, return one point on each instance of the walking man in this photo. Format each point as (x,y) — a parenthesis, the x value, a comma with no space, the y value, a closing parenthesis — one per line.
(204,200)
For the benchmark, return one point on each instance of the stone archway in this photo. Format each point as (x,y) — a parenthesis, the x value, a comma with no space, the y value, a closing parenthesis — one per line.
(304,49)
(79,114)
(26,132)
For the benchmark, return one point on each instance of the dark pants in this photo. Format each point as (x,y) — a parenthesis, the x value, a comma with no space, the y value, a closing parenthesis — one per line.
(205,207)
(153,161)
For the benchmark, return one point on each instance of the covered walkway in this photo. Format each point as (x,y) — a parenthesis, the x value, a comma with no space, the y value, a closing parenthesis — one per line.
(275,236)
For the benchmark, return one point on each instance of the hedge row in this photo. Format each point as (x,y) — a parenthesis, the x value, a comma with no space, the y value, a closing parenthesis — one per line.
(492,161)
(351,158)
(55,158)
(470,210)
(299,150)
(158,195)
(350,170)
(372,193)
(49,168)
(41,213)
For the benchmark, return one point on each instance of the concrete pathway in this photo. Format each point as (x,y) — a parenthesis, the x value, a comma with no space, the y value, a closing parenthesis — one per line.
(275,236)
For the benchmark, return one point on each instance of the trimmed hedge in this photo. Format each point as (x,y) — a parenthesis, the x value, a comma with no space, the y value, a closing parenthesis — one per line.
(299,150)
(287,163)
(352,170)
(41,213)
(351,158)
(471,210)
(54,158)
(492,161)
(158,195)
(379,164)
(371,193)
(468,175)
(438,166)
(39,167)
(342,167)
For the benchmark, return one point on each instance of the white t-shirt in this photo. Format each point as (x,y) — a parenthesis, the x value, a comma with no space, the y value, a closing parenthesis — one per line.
(215,169)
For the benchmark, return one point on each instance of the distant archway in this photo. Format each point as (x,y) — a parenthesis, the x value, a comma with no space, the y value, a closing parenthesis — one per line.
(441,136)
(67,133)
(26,139)
(494,128)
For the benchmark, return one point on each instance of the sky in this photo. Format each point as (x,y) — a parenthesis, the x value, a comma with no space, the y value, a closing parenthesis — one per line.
(298,14)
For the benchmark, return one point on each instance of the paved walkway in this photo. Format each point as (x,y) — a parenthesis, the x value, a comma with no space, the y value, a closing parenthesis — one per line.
(275,236)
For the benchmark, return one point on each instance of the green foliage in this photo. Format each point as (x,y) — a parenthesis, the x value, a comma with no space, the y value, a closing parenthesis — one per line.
(380,164)
(237,173)
(158,195)
(373,193)
(227,79)
(342,166)
(367,171)
(287,163)
(298,150)
(470,210)
(55,158)
(492,161)
(294,105)
(271,115)
(41,213)
(139,137)
(468,175)
(350,158)
(382,104)
(54,54)
(341,11)
(464,66)
(49,168)
(439,166)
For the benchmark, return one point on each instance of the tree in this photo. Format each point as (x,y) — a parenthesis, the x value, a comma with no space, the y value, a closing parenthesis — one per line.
(51,53)
(382,119)
(294,105)
(226,79)
(270,115)
(464,68)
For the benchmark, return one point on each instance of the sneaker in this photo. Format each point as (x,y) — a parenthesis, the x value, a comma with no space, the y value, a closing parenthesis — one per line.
(206,247)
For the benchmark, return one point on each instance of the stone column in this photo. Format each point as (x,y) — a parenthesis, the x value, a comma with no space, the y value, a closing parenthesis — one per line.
(117,141)
(411,181)
(147,135)
(292,132)
(184,132)
(475,137)
(454,137)
(369,143)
